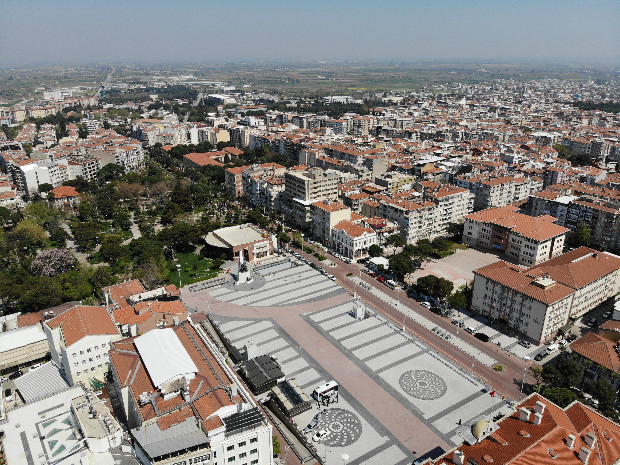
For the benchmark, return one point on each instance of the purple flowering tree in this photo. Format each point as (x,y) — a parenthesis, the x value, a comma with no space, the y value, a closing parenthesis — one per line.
(52,262)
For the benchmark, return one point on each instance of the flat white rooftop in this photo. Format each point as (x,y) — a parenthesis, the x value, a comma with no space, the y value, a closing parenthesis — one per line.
(164,356)
(21,337)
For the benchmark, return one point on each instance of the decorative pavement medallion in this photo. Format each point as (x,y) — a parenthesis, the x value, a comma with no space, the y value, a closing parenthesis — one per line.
(423,384)
(344,427)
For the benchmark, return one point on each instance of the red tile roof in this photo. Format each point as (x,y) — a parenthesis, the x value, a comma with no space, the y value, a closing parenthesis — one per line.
(519,442)
(80,321)
(598,349)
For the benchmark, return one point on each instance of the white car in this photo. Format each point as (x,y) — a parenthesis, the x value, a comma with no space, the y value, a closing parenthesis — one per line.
(320,435)
(426,304)
(562,342)
(332,277)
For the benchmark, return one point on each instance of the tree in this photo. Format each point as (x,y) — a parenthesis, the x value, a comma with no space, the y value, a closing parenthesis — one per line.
(375,250)
(536,371)
(111,247)
(39,293)
(565,373)
(276,446)
(45,187)
(560,396)
(27,236)
(180,236)
(86,234)
(438,288)
(455,230)
(283,238)
(581,236)
(394,240)
(52,262)
(401,265)
(457,300)
(110,172)
(150,274)
(604,393)
(102,277)
(75,285)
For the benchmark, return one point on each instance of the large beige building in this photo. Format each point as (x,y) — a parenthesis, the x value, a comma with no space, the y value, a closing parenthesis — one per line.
(525,239)
(304,187)
(538,301)
(21,346)
(500,191)
(325,215)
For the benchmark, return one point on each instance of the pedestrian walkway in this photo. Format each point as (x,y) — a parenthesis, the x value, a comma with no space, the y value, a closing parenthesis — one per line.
(409,314)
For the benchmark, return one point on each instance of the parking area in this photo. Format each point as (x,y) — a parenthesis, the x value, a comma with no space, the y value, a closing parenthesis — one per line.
(458,267)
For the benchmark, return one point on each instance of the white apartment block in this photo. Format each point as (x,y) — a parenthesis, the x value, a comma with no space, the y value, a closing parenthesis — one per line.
(524,239)
(79,340)
(304,187)
(538,301)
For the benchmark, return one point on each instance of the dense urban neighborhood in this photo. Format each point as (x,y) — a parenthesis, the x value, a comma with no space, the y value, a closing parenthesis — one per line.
(202,271)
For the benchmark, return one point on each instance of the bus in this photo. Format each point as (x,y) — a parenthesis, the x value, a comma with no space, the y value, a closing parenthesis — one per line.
(327,391)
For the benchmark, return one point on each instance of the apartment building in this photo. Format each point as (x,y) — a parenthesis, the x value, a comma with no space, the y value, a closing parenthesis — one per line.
(304,187)
(524,239)
(352,240)
(538,301)
(79,340)
(250,178)
(234,180)
(453,203)
(183,405)
(499,191)
(417,220)
(325,215)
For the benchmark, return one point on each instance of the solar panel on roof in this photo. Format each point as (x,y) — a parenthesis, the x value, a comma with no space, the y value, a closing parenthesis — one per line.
(242,421)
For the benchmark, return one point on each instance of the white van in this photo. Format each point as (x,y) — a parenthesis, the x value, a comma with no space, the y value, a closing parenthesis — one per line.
(391,284)
(552,348)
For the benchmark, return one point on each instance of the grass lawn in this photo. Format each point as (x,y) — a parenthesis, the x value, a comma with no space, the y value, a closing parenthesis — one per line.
(194,268)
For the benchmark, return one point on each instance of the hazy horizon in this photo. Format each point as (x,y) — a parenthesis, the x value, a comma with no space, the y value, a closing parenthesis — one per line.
(399,31)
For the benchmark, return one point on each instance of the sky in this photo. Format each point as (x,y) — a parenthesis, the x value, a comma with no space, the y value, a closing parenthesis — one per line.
(66,32)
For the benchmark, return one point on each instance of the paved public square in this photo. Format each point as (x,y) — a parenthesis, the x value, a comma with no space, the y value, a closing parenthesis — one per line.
(352,429)
(401,398)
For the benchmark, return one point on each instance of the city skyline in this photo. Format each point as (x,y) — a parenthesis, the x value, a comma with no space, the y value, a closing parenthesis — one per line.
(210,32)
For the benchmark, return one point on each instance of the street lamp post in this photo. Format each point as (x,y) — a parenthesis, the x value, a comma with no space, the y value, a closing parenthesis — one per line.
(179,270)
(474,362)
(527,359)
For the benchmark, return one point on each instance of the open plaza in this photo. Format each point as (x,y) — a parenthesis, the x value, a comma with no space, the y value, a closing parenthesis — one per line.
(399,398)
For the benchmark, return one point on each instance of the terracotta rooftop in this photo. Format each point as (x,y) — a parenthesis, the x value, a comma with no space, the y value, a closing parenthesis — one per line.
(81,321)
(126,289)
(539,228)
(519,442)
(598,349)
(62,192)
(579,267)
(206,390)
(520,280)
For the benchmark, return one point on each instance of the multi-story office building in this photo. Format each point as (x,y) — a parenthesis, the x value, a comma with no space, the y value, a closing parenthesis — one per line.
(538,301)
(304,187)
(325,215)
(525,239)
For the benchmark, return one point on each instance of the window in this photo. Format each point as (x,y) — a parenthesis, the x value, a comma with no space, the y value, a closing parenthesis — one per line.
(253,440)
(229,448)
(243,455)
(254,451)
(254,462)
(241,444)
(231,459)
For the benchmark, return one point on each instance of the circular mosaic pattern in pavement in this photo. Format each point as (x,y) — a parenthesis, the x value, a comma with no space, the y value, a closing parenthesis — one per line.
(423,384)
(343,425)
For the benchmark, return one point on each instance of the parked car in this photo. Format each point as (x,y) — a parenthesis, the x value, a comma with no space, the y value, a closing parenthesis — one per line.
(455,322)
(539,356)
(16,374)
(313,424)
(552,348)
(320,435)
(483,337)
(562,342)
(607,315)
(332,277)
(524,343)
(8,394)
(381,279)
(426,304)
(470,330)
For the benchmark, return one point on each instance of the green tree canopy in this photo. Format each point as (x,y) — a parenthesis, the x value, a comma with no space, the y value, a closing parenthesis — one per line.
(375,250)
(434,286)
(560,396)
